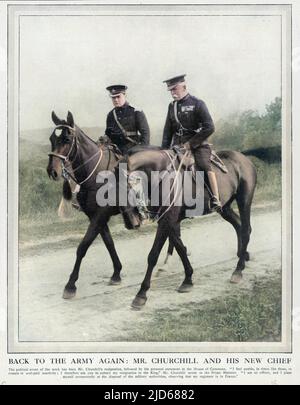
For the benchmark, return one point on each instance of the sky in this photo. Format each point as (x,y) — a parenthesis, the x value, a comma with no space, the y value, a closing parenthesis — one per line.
(233,63)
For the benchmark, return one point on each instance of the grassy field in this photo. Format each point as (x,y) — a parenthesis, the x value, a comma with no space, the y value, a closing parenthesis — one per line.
(242,317)
(268,181)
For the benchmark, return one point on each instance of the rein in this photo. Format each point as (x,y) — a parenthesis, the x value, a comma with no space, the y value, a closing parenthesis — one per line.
(93,171)
(175,183)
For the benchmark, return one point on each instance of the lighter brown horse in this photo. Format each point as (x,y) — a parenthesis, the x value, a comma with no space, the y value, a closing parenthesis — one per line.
(238,184)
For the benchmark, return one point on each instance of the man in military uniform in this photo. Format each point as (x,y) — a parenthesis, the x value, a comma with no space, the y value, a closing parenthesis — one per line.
(189,124)
(125,125)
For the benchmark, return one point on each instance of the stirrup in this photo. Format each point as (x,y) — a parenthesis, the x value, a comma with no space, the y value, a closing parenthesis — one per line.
(215,204)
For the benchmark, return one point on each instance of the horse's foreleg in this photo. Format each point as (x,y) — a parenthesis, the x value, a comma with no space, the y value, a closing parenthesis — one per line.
(160,239)
(110,246)
(88,239)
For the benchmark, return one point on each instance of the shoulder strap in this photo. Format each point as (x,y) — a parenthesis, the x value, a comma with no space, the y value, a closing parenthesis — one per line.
(181,127)
(176,113)
(118,122)
(127,134)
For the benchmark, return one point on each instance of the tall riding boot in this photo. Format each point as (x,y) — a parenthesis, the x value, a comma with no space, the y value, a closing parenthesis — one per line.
(215,201)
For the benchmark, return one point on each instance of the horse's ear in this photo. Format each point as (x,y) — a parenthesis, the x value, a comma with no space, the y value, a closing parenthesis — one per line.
(70,119)
(55,118)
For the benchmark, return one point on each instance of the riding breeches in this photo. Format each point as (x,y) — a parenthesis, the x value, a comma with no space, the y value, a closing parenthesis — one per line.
(202,158)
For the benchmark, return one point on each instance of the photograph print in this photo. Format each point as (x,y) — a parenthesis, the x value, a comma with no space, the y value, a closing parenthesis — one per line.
(149,166)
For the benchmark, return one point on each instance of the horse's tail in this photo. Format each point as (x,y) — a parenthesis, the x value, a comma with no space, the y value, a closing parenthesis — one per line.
(65,202)
(269,154)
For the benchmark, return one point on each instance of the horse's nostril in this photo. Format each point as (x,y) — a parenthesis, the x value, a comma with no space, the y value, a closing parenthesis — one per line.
(54,174)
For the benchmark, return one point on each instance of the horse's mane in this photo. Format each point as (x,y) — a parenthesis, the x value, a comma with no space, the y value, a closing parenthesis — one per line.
(83,133)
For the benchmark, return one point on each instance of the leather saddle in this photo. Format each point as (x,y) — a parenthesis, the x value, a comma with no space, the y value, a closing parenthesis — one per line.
(188,161)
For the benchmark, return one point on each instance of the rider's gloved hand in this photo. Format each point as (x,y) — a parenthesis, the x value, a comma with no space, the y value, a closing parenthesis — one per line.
(176,148)
(191,131)
(103,139)
(186,146)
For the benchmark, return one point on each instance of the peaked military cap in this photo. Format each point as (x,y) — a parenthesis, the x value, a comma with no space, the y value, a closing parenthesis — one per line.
(116,89)
(171,83)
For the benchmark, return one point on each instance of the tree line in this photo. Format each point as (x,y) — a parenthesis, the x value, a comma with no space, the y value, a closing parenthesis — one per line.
(251,130)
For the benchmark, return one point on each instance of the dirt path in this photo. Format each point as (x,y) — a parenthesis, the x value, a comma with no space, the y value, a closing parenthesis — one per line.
(102,313)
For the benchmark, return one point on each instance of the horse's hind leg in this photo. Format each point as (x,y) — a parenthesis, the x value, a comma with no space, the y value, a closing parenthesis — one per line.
(245,231)
(232,217)
(244,203)
(109,243)
(88,239)
(160,239)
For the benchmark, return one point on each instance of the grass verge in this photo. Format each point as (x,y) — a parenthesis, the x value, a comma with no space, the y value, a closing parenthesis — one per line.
(253,316)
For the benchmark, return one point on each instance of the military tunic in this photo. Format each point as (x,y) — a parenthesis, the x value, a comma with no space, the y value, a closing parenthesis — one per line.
(134,131)
(195,126)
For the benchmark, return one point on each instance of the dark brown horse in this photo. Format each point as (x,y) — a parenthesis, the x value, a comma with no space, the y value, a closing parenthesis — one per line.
(238,184)
(75,154)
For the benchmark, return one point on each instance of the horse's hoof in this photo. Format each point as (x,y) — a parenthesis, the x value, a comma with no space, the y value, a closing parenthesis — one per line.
(236,277)
(114,282)
(247,256)
(138,303)
(184,288)
(69,294)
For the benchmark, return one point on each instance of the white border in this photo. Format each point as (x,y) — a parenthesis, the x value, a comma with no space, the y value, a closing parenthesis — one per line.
(286,187)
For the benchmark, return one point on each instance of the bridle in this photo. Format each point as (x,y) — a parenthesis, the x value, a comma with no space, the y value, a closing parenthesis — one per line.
(66,159)
(62,157)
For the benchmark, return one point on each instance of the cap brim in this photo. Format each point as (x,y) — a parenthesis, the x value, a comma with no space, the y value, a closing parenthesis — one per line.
(116,95)
(172,86)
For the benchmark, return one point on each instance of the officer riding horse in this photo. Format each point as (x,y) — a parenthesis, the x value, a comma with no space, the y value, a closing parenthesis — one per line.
(189,124)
